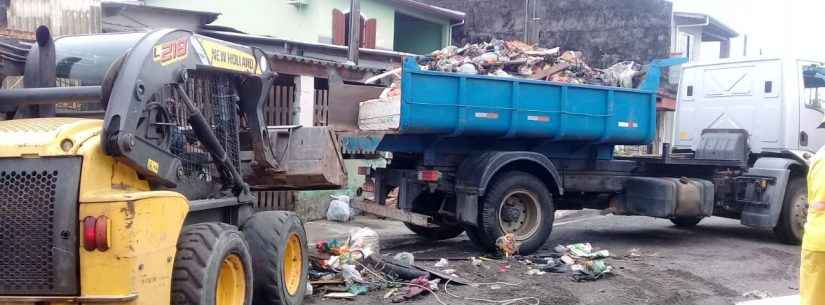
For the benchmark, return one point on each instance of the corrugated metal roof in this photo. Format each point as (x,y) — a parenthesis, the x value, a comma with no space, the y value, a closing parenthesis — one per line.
(328,55)
(321,62)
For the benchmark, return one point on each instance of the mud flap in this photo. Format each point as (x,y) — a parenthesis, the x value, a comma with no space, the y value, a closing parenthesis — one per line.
(761,193)
(467,208)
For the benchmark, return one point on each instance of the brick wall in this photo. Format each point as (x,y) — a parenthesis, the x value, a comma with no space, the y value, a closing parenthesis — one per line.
(607,31)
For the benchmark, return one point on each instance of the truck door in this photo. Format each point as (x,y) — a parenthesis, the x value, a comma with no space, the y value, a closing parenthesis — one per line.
(743,95)
(812,106)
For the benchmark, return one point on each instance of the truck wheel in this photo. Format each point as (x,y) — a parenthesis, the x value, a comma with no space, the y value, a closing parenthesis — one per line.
(212,267)
(278,244)
(790,227)
(686,222)
(517,203)
(441,232)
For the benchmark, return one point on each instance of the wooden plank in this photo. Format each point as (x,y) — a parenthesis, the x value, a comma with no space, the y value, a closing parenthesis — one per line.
(392,213)
(550,71)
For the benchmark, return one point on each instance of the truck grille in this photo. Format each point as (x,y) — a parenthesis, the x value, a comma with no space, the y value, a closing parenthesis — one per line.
(38,226)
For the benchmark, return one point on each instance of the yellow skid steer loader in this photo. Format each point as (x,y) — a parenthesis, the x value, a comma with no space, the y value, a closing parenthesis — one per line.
(153,203)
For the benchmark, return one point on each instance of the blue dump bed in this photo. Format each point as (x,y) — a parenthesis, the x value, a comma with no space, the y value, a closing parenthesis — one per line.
(470,105)
(461,105)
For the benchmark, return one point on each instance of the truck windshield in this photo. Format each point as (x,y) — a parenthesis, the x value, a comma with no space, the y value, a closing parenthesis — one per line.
(83,60)
(814,94)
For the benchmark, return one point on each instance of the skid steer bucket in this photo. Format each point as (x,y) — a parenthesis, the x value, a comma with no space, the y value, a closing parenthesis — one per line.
(309,158)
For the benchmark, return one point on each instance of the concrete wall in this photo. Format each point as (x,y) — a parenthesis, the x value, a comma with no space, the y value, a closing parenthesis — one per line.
(606,30)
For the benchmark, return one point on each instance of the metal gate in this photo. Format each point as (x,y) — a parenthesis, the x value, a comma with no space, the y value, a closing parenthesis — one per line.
(278,111)
(321,109)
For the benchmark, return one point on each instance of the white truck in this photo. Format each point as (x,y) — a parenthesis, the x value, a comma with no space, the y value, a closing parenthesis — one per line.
(765,113)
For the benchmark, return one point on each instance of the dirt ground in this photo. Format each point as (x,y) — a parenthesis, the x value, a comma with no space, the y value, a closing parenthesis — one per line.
(715,263)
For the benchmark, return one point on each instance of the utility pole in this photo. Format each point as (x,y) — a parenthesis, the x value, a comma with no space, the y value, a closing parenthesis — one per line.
(527,21)
(745,49)
(354,30)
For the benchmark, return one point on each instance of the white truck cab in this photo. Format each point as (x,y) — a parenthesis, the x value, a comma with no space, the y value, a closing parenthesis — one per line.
(778,101)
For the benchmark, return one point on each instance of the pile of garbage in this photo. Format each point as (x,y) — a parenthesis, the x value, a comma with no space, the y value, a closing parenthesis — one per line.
(352,267)
(347,269)
(519,59)
(581,260)
(496,58)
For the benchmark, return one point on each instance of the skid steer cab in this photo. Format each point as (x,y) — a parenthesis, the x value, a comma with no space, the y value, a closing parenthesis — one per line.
(151,203)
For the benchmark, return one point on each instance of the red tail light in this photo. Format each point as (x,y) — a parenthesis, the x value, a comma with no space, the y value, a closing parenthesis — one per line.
(429,175)
(102,233)
(89,233)
(363,170)
(96,233)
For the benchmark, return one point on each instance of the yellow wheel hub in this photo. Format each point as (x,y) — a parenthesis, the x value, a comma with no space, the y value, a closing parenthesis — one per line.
(293,264)
(231,288)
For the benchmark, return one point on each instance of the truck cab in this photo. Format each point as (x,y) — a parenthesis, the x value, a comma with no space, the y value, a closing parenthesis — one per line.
(763,113)
(777,101)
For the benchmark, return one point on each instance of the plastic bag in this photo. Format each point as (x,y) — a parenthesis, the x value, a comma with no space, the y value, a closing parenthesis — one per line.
(339,209)
(405,258)
(363,243)
(351,274)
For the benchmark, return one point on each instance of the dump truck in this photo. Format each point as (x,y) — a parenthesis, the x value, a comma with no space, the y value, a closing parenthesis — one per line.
(492,156)
(152,202)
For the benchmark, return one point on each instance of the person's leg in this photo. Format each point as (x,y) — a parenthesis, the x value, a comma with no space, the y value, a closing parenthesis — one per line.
(812,278)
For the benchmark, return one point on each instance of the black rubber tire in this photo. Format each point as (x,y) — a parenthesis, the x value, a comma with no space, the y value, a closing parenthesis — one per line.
(474,234)
(436,233)
(267,234)
(787,230)
(686,222)
(489,229)
(202,249)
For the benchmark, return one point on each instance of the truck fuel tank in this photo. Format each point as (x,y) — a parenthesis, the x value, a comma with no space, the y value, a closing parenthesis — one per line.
(665,197)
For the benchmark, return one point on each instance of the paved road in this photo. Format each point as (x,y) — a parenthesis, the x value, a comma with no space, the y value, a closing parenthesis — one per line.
(714,263)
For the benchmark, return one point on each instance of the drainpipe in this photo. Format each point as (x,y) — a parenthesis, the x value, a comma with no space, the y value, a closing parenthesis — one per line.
(354,31)
(526,21)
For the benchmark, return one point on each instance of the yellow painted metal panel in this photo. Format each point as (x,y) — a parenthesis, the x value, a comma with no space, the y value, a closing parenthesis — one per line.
(144,234)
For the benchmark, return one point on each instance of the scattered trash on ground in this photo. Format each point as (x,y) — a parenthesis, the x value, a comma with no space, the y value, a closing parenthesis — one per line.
(340,295)
(442,263)
(358,289)
(309,291)
(354,267)
(339,209)
(636,254)
(507,244)
(757,294)
(535,272)
(405,258)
